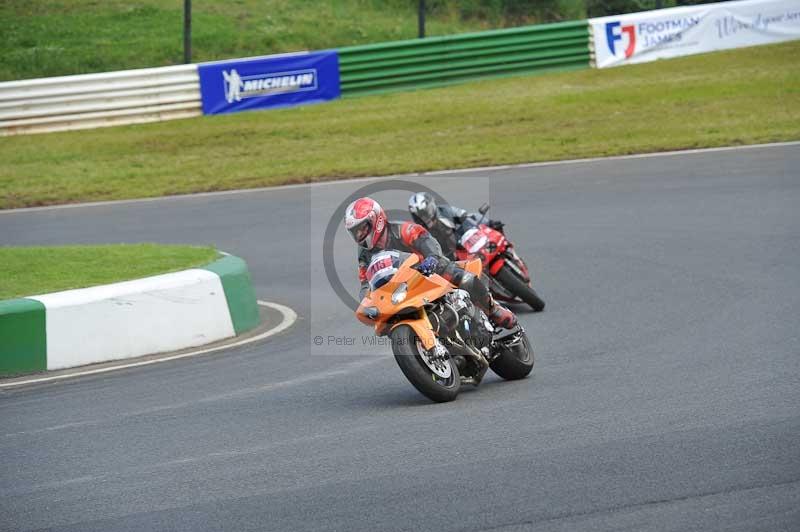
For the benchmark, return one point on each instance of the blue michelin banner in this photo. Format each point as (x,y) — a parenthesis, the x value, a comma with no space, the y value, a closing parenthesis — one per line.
(270,81)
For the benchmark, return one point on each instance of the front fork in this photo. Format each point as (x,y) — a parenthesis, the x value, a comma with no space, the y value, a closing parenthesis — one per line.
(422,328)
(517,264)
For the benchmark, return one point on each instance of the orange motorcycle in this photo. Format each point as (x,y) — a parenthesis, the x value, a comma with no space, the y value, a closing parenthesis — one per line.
(440,339)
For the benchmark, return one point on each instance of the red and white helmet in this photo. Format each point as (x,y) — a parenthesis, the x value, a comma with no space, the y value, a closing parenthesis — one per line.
(366,222)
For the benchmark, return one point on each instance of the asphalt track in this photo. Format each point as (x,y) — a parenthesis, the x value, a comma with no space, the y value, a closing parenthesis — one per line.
(666,394)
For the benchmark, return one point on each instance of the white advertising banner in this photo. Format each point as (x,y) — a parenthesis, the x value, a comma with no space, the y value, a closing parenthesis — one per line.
(679,31)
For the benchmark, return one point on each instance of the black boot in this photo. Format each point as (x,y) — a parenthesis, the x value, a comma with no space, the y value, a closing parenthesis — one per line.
(479,293)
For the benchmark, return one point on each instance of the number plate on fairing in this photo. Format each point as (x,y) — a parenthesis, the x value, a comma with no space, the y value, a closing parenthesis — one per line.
(382,268)
(473,240)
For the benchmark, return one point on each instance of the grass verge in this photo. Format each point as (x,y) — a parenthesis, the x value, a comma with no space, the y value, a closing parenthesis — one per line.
(744,96)
(26,271)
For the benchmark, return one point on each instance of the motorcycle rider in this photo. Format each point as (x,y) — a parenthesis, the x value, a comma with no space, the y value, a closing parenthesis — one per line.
(366,222)
(443,221)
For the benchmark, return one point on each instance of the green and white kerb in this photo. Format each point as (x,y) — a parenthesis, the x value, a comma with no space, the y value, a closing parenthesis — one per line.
(128,319)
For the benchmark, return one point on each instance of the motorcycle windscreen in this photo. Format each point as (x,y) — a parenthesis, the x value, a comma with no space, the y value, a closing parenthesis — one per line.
(473,240)
(382,268)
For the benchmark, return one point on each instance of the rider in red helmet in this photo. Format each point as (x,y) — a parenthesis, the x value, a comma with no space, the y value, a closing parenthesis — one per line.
(366,221)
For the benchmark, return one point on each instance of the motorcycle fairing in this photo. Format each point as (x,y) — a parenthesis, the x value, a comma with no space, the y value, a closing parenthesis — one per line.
(377,308)
(422,328)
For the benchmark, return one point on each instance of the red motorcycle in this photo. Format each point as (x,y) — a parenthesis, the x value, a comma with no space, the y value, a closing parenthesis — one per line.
(504,271)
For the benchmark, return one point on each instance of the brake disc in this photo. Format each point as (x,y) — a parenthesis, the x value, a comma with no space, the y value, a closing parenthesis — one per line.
(436,360)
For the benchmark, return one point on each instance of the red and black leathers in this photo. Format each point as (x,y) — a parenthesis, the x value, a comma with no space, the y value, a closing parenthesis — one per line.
(413,238)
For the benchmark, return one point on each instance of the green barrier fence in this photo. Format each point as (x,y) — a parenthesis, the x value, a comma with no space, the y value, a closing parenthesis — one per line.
(434,61)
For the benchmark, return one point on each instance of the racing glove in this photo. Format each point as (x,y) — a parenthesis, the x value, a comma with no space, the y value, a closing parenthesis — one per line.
(428,266)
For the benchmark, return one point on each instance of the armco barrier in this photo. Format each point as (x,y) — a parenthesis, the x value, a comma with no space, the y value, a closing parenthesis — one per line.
(436,61)
(148,95)
(153,94)
(96,100)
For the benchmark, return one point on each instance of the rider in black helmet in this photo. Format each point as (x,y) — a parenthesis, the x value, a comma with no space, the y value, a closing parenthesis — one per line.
(442,221)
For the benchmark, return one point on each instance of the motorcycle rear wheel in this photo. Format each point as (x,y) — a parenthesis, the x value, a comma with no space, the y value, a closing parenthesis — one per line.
(517,286)
(428,383)
(515,362)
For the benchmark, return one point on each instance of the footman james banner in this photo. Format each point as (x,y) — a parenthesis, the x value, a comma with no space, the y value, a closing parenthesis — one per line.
(679,31)
(270,81)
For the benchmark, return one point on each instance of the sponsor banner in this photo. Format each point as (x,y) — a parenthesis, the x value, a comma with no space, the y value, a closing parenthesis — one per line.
(679,31)
(270,81)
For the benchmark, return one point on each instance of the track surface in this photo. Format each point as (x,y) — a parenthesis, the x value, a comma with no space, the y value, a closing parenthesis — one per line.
(666,394)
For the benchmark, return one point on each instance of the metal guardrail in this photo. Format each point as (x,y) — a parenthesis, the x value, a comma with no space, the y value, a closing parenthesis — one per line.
(97,100)
(434,61)
(153,94)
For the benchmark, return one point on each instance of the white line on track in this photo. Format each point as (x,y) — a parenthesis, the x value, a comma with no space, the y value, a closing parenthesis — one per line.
(395,176)
(289,317)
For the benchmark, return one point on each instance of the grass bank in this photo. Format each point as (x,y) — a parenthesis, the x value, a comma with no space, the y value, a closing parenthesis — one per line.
(744,96)
(26,271)
(46,38)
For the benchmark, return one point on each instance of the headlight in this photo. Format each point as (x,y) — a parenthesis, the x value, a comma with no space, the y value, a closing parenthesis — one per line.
(372,313)
(400,294)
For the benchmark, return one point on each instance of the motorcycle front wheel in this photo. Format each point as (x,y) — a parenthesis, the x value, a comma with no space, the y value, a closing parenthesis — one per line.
(517,286)
(438,380)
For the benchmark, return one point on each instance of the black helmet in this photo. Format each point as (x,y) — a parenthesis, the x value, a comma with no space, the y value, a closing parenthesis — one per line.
(423,209)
